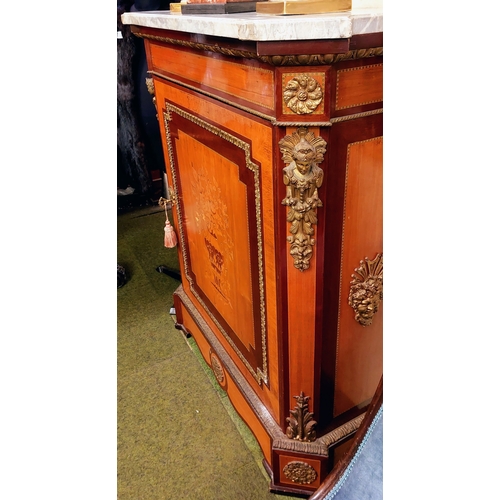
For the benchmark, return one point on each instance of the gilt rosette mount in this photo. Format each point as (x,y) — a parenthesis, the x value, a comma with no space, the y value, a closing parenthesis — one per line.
(365,294)
(302,152)
(301,425)
(300,472)
(302,94)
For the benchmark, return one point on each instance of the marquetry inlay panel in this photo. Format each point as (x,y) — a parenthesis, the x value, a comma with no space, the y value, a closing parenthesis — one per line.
(220,230)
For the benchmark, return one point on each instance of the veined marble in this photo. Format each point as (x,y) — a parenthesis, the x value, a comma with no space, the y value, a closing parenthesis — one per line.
(261,27)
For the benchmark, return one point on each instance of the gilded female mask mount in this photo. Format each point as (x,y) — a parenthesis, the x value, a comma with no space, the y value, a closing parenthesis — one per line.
(302,152)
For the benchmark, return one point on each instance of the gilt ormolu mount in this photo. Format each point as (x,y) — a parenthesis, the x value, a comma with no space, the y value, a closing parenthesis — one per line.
(302,94)
(299,472)
(301,425)
(366,289)
(302,151)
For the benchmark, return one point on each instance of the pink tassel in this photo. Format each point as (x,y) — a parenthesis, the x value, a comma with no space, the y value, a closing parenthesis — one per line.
(170,236)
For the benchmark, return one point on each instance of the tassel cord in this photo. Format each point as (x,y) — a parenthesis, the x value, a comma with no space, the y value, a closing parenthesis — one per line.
(170,238)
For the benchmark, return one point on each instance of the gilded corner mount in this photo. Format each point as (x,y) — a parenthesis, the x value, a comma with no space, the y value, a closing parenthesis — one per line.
(302,152)
(365,294)
(301,425)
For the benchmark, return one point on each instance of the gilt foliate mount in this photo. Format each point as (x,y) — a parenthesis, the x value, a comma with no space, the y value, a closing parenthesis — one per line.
(301,425)
(302,152)
(366,289)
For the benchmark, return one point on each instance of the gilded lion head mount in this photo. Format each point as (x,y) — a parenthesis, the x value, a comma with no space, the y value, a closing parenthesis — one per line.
(366,289)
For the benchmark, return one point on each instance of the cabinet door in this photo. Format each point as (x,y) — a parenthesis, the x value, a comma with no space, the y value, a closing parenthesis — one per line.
(220,169)
(218,188)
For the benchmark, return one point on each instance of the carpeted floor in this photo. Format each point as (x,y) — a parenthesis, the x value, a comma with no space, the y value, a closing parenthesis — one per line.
(178,435)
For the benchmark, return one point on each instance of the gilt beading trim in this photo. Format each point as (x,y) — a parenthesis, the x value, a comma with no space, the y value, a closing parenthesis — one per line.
(355,116)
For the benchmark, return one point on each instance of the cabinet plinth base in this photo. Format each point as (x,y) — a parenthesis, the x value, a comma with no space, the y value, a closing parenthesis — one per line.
(294,466)
(282,489)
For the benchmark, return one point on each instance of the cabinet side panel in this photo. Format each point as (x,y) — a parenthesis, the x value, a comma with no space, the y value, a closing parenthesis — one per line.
(359,348)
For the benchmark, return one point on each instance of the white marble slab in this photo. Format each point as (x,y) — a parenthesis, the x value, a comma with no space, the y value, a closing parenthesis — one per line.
(261,27)
(367,4)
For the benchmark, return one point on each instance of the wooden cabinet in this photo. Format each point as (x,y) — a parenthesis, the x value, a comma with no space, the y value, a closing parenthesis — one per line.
(274,160)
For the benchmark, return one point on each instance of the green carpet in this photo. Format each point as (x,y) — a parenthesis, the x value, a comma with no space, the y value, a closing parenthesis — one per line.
(178,435)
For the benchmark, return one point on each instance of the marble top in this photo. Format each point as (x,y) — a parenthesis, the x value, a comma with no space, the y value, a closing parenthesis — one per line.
(251,26)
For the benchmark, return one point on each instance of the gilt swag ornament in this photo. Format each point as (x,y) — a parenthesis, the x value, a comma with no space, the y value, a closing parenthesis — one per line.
(302,152)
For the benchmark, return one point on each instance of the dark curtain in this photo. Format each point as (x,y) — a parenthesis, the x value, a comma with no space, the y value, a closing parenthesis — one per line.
(139,143)
(132,167)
